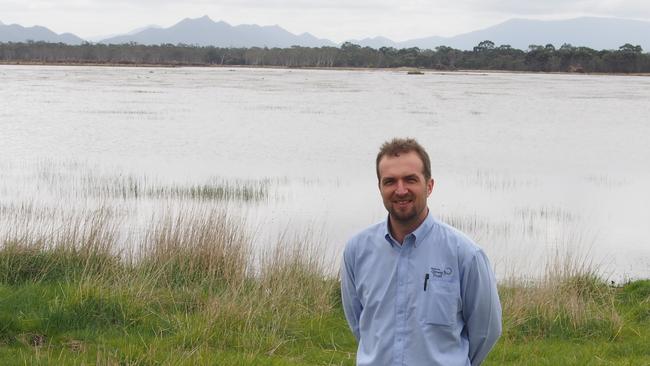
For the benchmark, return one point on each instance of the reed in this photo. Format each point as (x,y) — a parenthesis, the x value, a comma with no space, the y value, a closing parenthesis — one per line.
(196,247)
(195,292)
(186,285)
(570,300)
(192,283)
(81,246)
(133,188)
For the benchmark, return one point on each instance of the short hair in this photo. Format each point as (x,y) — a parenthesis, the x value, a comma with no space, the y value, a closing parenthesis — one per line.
(398,146)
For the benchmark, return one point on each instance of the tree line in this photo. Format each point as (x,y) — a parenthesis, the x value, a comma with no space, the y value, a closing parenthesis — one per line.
(486,55)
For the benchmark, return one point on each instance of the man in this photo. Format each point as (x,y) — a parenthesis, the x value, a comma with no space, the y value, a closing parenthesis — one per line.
(415,290)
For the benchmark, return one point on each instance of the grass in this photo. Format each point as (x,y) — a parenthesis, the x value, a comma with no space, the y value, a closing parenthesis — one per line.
(570,301)
(82,183)
(194,293)
(185,283)
(602,334)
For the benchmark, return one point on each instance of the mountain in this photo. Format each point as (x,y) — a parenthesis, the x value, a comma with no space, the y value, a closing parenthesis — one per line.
(423,43)
(18,33)
(375,42)
(137,30)
(205,32)
(596,33)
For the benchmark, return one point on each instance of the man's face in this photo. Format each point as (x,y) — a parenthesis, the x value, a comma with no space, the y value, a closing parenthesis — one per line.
(403,187)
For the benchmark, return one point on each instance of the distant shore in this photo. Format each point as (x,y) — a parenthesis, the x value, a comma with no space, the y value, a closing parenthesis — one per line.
(335,68)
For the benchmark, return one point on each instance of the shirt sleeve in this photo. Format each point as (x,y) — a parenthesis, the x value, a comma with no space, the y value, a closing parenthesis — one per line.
(481,307)
(351,303)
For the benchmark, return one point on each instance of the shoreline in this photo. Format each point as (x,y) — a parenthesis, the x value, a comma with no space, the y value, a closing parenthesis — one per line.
(333,68)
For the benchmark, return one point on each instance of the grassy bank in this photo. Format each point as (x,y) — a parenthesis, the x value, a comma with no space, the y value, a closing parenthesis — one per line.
(99,267)
(193,292)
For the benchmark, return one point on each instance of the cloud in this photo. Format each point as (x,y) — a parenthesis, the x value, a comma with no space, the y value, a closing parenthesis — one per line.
(337,5)
(286,5)
(563,8)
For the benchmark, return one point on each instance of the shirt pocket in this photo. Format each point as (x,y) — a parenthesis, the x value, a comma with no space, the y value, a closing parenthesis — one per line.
(440,304)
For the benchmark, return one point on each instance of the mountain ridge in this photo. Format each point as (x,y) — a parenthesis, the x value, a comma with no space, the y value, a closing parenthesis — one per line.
(18,33)
(204,31)
(593,32)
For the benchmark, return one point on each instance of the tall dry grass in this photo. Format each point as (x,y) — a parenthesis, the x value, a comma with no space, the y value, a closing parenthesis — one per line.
(197,246)
(192,274)
(192,277)
(205,253)
(78,245)
(570,300)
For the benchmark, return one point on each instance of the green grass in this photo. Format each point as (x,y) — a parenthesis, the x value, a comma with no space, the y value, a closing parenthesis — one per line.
(595,341)
(53,324)
(190,290)
(73,323)
(120,313)
(191,293)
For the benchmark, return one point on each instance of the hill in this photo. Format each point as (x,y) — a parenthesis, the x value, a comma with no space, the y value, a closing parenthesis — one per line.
(205,32)
(18,33)
(596,33)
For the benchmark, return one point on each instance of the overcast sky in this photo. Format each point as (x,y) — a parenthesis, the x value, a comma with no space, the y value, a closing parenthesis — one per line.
(337,20)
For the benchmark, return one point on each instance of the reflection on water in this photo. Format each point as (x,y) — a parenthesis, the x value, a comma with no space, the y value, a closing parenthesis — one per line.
(524,163)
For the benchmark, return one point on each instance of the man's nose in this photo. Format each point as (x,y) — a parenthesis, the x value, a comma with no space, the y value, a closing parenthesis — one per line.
(401,188)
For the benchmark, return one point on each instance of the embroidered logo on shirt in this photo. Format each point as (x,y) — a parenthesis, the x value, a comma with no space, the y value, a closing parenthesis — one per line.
(441,272)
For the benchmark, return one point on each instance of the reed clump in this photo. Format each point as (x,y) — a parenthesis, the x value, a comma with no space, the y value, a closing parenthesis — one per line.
(82,182)
(570,300)
(208,247)
(81,246)
(193,290)
(192,284)
(293,269)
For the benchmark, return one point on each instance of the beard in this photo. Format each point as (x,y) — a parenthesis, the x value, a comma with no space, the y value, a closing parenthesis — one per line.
(402,216)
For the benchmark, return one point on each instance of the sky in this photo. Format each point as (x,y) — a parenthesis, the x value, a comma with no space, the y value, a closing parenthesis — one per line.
(336,20)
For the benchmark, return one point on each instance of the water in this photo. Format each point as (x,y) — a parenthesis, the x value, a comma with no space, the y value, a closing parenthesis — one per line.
(526,163)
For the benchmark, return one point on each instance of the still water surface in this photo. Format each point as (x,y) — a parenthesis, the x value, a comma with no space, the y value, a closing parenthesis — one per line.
(528,164)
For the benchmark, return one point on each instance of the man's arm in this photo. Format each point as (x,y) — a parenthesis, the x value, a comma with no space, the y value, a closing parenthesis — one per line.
(481,307)
(351,303)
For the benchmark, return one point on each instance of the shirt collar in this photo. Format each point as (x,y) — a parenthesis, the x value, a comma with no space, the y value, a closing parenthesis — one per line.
(419,233)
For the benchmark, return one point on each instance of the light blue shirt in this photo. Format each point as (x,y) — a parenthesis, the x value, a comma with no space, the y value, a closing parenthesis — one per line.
(454,320)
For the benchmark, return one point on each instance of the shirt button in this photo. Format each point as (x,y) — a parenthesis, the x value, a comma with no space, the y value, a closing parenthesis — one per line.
(401,283)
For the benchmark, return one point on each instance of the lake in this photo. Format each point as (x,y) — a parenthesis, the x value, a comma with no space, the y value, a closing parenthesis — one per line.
(533,166)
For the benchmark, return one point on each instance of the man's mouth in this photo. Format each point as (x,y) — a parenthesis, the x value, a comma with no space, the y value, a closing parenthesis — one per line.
(402,202)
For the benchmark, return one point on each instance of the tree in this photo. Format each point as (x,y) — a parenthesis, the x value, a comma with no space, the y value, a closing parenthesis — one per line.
(349,46)
(629,58)
(566,47)
(484,46)
(628,48)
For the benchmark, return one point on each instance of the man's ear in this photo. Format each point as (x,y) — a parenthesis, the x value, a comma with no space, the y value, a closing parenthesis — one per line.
(430,185)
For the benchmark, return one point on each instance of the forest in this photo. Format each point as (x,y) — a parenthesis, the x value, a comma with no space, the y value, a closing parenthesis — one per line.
(486,55)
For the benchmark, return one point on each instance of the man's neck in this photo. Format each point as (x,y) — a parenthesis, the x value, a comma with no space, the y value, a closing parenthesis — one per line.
(399,230)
